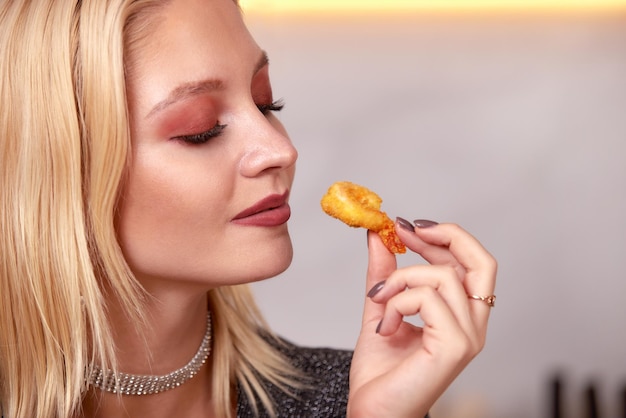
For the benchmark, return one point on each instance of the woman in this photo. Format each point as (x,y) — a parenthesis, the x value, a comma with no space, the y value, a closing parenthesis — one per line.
(145,181)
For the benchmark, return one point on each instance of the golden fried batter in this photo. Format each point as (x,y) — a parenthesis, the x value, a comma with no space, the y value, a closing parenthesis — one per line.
(358,206)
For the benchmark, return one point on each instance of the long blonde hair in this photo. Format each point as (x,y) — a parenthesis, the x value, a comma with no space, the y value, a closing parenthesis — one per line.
(64,149)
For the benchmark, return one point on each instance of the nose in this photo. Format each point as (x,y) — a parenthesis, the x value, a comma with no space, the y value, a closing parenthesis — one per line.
(268,147)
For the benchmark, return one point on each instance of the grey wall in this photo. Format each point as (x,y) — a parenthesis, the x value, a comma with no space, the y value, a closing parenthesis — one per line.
(511,127)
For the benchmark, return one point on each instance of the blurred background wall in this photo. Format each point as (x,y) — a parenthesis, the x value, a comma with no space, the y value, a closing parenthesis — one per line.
(513,126)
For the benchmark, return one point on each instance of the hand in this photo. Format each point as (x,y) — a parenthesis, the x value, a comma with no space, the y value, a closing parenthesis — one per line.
(399,370)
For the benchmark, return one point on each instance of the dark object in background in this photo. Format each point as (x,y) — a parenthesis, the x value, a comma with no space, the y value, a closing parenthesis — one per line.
(591,405)
(622,400)
(592,409)
(556,397)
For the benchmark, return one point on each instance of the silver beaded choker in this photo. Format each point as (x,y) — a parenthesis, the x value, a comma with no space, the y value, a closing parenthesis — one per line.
(138,384)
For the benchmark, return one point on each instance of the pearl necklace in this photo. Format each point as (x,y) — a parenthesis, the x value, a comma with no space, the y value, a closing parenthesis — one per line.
(134,384)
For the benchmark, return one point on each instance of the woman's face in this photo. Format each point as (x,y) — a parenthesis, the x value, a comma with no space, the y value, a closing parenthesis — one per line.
(206,196)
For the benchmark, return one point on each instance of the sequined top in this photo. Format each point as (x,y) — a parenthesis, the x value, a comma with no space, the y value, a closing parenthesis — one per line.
(326,395)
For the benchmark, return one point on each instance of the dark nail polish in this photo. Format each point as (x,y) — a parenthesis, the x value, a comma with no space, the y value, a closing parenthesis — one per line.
(404,224)
(424,223)
(377,288)
(378,326)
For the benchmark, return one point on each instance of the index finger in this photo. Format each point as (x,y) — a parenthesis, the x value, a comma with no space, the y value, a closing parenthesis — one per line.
(479,264)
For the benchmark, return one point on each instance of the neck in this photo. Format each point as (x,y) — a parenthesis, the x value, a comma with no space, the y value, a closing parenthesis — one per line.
(189,400)
(177,330)
(142,384)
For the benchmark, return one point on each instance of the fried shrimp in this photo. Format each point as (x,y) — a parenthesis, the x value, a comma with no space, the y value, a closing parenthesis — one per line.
(357,206)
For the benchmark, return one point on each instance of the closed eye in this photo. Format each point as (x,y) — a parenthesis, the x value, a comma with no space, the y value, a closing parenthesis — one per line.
(202,137)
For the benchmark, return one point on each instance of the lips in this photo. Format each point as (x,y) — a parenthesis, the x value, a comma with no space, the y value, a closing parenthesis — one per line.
(272,210)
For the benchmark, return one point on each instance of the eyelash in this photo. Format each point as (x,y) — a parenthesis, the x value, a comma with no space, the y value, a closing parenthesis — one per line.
(275,106)
(201,138)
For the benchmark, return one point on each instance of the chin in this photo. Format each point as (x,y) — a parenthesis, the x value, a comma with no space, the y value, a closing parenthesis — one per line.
(272,263)
(243,260)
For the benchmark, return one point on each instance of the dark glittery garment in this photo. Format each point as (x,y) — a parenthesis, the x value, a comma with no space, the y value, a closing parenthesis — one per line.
(326,395)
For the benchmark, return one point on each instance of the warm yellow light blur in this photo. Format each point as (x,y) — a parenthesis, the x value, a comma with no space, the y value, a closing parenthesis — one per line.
(403,6)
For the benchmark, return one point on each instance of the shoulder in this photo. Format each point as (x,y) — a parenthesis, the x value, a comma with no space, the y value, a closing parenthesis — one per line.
(325,381)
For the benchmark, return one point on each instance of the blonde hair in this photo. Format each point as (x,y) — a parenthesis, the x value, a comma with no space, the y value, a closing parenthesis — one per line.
(64,149)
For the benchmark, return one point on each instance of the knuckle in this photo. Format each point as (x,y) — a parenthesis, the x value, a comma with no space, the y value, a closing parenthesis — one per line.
(466,347)
(477,346)
(462,348)
(429,292)
(449,272)
(455,228)
(491,263)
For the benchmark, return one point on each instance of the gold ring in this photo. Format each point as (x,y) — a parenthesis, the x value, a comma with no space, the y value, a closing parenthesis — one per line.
(489,300)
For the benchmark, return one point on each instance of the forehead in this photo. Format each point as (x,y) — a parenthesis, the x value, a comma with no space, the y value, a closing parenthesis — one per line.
(189,41)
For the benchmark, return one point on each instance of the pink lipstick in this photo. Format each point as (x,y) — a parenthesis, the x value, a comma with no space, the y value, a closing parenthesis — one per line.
(272,210)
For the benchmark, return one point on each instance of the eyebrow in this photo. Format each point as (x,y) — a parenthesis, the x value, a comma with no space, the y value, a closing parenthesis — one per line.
(194,88)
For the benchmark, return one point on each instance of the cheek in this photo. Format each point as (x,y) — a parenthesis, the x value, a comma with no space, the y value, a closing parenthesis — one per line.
(167,212)
(153,193)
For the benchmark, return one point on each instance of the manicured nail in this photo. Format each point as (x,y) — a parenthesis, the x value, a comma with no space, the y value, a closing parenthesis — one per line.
(404,224)
(374,290)
(380,324)
(424,223)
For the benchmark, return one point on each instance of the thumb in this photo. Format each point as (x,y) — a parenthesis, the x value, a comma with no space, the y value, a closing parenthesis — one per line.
(381,263)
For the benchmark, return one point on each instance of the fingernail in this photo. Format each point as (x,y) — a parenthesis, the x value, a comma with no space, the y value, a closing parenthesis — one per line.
(404,224)
(424,223)
(380,324)
(377,288)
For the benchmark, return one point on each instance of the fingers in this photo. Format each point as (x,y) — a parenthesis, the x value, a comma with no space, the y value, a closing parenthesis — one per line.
(460,266)
(462,250)
(437,285)
(444,343)
(381,263)
(433,253)
(480,267)
(449,244)
(443,279)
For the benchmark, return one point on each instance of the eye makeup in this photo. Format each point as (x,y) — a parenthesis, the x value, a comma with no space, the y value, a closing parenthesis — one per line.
(202,137)
(193,121)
